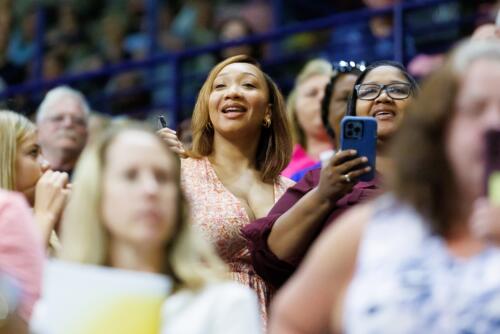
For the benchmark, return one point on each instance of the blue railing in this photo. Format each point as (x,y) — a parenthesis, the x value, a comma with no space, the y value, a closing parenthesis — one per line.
(176,59)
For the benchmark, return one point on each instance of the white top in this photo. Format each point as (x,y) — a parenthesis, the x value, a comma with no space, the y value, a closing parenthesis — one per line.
(407,281)
(221,308)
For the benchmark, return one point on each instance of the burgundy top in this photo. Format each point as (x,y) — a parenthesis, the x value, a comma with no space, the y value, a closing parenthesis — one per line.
(265,262)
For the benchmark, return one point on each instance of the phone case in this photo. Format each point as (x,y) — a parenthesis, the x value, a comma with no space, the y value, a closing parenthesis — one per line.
(492,166)
(163,122)
(360,134)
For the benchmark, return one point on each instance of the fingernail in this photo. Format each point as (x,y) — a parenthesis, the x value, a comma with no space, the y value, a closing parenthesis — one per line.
(364,159)
(368,168)
(353,152)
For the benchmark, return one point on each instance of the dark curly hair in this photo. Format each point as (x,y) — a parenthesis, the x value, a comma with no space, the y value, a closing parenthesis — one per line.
(325,103)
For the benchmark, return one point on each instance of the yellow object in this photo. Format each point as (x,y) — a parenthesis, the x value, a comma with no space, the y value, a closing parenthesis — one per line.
(124,315)
(494,188)
(88,299)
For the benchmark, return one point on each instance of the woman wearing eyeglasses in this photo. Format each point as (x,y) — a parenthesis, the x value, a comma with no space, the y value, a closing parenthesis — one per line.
(279,241)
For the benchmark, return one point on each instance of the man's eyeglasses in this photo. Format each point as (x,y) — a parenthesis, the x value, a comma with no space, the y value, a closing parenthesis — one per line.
(397,91)
(58,119)
(348,66)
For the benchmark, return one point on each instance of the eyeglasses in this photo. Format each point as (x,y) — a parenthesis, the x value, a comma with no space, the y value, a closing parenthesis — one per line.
(348,66)
(397,91)
(58,119)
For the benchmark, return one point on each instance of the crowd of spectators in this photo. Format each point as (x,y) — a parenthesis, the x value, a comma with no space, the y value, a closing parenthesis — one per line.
(406,243)
(86,36)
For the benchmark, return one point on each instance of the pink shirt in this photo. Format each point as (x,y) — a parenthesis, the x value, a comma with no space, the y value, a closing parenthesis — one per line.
(21,249)
(300,160)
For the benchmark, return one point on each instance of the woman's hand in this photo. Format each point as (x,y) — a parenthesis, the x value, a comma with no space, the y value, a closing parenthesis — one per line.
(51,194)
(293,232)
(485,220)
(340,174)
(173,142)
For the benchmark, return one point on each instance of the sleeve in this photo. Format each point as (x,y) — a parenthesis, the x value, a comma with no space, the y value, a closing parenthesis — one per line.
(238,311)
(297,176)
(21,249)
(266,263)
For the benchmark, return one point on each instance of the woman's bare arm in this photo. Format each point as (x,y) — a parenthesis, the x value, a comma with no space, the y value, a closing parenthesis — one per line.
(314,296)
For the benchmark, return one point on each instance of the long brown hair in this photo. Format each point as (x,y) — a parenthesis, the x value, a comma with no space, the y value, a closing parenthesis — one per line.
(274,148)
(423,174)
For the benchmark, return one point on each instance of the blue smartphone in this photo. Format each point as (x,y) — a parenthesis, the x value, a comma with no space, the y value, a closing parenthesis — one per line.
(360,134)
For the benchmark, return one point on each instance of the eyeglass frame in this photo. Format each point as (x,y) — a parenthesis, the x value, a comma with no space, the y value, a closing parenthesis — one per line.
(60,118)
(384,88)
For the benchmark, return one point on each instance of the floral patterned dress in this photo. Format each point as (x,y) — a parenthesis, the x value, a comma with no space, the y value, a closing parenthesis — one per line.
(220,216)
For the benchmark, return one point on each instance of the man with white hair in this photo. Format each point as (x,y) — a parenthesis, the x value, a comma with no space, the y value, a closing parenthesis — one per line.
(62,120)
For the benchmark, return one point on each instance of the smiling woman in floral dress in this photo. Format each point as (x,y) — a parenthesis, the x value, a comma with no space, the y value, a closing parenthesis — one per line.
(241,143)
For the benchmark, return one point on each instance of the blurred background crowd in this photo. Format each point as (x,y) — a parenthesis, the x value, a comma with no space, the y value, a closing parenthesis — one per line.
(47,40)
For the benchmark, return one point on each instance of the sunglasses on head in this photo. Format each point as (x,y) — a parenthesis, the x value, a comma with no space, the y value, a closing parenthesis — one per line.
(343,66)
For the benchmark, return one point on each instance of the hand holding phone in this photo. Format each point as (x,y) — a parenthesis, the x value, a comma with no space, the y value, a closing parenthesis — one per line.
(339,175)
(360,134)
(170,137)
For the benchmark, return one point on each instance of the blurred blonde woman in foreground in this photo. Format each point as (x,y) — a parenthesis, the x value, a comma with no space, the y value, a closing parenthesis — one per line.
(128,211)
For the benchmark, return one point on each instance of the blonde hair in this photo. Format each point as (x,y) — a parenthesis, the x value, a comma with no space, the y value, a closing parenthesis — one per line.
(275,147)
(469,51)
(191,262)
(312,68)
(14,129)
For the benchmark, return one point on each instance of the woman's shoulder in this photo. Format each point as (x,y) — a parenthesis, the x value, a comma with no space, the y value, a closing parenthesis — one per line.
(192,162)
(12,200)
(208,301)
(222,292)
(194,311)
(231,289)
(193,168)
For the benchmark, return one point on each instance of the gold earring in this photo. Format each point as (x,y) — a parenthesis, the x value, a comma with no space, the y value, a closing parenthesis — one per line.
(267,121)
